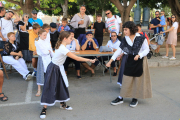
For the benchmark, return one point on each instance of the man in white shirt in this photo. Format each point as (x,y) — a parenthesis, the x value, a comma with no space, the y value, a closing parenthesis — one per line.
(114,44)
(114,24)
(6,25)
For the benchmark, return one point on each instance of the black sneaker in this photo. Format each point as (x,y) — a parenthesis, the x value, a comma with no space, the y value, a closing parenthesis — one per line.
(117,101)
(43,113)
(133,103)
(115,73)
(106,70)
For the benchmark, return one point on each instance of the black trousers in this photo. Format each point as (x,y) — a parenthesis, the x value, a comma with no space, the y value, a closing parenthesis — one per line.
(100,40)
(105,58)
(68,60)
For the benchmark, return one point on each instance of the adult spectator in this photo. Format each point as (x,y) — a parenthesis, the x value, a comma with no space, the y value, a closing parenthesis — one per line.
(90,43)
(2,12)
(2,96)
(34,19)
(114,24)
(80,22)
(172,37)
(23,27)
(154,24)
(114,44)
(6,25)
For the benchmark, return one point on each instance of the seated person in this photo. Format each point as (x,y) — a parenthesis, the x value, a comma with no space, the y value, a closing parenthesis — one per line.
(12,55)
(114,44)
(2,96)
(54,34)
(89,43)
(73,46)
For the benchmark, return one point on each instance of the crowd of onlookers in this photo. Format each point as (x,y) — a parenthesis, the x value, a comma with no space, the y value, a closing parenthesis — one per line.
(30,30)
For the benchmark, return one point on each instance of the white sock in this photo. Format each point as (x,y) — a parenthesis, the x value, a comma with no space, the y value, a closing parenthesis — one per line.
(120,97)
(35,69)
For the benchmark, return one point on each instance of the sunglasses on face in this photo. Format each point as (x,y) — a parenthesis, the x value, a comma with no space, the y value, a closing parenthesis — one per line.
(157,14)
(107,13)
(113,35)
(34,13)
(172,17)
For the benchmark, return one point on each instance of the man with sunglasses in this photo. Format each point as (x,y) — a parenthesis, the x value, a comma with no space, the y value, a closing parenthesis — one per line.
(114,24)
(154,24)
(34,19)
(114,44)
(6,24)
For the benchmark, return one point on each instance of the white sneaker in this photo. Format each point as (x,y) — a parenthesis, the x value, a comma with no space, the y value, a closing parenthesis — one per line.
(28,77)
(172,58)
(165,57)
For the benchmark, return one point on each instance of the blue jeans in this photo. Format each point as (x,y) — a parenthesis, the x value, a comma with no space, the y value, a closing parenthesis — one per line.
(157,30)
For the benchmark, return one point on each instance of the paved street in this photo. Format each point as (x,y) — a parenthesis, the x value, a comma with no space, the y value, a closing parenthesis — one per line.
(91,97)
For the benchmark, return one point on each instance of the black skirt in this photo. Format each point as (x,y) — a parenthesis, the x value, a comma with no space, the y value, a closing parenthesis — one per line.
(133,68)
(24,40)
(54,89)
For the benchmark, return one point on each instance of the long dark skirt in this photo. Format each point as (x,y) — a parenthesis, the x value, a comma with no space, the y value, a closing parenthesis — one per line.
(54,89)
(121,72)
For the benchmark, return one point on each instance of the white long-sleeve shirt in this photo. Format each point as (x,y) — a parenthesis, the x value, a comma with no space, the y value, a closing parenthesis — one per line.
(142,53)
(43,48)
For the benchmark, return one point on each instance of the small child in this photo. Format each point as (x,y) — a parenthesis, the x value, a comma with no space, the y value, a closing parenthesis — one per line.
(12,55)
(162,21)
(33,34)
(54,34)
(45,53)
(99,29)
(64,26)
(56,83)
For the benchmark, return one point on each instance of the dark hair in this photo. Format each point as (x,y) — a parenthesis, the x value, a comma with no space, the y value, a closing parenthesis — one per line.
(138,25)
(98,15)
(64,19)
(171,22)
(114,32)
(11,12)
(108,10)
(64,34)
(83,6)
(1,9)
(132,27)
(41,31)
(36,26)
(45,26)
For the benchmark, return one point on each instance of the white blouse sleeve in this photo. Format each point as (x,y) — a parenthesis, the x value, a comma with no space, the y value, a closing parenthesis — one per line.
(117,53)
(144,49)
(175,25)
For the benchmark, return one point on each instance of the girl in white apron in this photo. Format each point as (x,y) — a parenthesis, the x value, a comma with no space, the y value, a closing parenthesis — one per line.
(56,83)
(45,53)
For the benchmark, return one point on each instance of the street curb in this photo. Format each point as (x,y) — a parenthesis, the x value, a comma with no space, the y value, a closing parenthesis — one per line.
(163,63)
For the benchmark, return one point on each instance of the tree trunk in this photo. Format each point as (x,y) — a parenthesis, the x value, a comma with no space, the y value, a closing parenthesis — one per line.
(103,15)
(175,7)
(65,8)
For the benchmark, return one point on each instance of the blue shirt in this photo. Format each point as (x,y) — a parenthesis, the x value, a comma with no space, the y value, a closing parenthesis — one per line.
(163,20)
(89,44)
(66,28)
(39,21)
(155,22)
